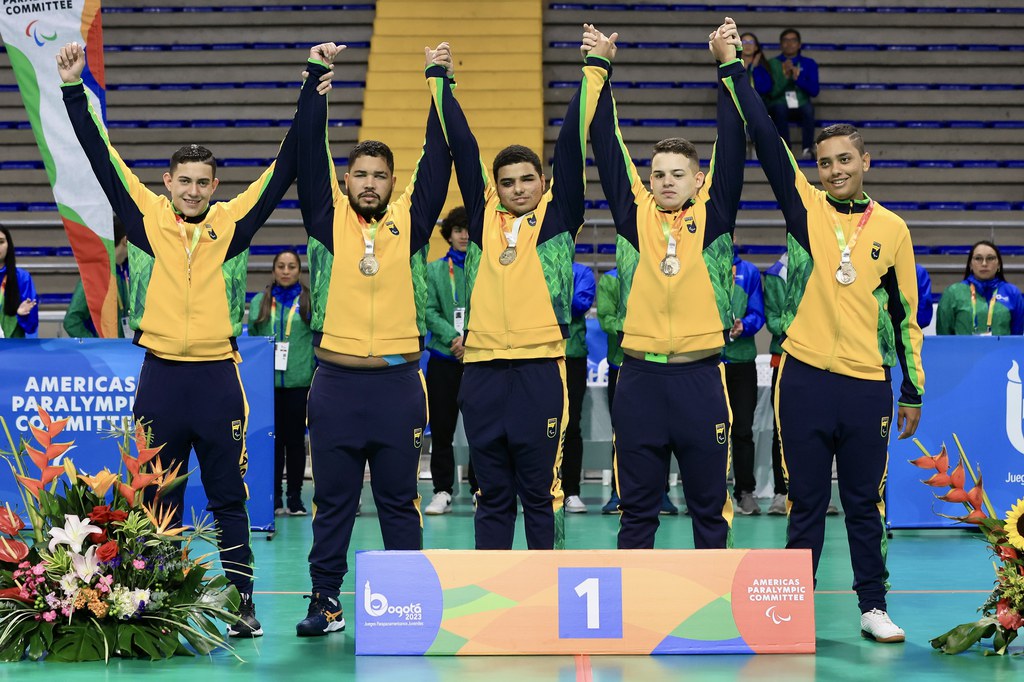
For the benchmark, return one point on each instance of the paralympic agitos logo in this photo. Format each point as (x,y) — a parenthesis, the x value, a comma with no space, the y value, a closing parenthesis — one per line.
(38,34)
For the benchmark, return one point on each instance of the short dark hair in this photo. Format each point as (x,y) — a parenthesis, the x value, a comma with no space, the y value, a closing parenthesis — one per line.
(991,245)
(677,145)
(193,153)
(516,153)
(788,31)
(457,217)
(375,149)
(757,42)
(841,130)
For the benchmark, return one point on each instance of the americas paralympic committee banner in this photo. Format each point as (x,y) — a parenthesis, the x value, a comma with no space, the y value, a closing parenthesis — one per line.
(92,381)
(446,602)
(974,389)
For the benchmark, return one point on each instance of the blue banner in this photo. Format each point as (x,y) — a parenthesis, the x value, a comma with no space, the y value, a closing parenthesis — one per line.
(973,389)
(92,381)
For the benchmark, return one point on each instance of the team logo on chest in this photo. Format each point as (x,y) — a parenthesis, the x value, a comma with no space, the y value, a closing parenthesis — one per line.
(209,231)
(691,226)
(391,227)
(532,220)
(876,250)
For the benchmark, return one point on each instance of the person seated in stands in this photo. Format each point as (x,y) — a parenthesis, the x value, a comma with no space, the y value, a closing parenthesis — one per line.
(791,95)
(188,295)
(78,320)
(18,313)
(763,74)
(984,303)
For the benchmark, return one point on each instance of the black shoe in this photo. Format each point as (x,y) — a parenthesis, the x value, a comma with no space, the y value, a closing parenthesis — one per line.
(295,507)
(247,625)
(324,616)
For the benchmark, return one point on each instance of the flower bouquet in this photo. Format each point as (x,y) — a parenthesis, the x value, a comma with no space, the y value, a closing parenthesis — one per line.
(102,572)
(1002,614)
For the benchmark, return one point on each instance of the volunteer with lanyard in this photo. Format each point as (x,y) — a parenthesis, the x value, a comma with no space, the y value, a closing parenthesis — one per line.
(18,313)
(983,304)
(78,322)
(446,322)
(282,310)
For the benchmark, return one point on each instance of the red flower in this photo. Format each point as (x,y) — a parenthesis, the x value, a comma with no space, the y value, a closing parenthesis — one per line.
(10,523)
(1008,617)
(102,513)
(98,538)
(107,551)
(12,551)
(1006,553)
(14,593)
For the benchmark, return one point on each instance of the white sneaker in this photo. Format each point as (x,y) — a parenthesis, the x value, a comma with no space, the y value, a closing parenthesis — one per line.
(440,504)
(778,506)
(574,505)
(876,625)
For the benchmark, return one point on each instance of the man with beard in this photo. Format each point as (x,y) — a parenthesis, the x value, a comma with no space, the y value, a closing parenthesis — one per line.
(367,402)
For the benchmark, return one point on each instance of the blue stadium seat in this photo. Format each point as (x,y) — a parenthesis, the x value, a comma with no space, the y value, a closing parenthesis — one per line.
(606,249)
(585,249)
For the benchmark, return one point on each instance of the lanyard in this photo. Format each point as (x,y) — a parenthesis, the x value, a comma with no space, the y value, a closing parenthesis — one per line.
(974,307)
(844,248)
(668,232)
(291,315)
(197,232)
(369,237)
(451,278)
(513,237)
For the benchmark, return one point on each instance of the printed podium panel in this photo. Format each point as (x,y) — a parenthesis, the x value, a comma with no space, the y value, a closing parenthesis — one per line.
(448,602)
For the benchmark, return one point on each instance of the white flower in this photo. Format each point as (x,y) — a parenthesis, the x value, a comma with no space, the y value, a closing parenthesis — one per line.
(86,566)
(69,583)
(73,534)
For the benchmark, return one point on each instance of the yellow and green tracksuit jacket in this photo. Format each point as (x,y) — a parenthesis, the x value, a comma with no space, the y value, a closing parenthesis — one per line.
(352,313)
(522,310)
(178,314)
(691,311)
(859,330)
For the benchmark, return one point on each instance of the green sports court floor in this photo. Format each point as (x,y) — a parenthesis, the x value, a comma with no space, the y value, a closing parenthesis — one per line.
(939,578)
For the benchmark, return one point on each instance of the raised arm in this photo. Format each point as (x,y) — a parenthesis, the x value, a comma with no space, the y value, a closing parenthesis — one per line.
(127,195)
(724,180)
(317,179)
(428,187)
(469,168)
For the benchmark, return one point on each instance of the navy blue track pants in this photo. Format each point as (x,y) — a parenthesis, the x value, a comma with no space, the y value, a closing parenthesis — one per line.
(820,415)
(357,416)
(515,413)
(665,408)
(201,406)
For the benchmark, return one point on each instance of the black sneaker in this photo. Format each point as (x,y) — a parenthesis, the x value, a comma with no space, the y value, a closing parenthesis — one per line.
(247,625)
(324,616)
(295,507)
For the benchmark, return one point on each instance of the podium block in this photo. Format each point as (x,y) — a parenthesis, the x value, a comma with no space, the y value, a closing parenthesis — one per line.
(461,602)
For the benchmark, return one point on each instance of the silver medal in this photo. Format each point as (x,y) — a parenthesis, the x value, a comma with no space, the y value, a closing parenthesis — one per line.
(670,266)
(369,265)
(507,256)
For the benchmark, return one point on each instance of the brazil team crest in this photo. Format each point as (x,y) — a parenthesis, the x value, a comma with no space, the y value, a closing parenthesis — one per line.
(552,428)
(884,429)
(720,433)
(236,429)
(417,438)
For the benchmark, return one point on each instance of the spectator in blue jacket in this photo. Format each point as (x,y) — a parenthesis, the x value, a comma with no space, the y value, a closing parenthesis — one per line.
(740,355)
(18,313)
(584,289)
(790,99)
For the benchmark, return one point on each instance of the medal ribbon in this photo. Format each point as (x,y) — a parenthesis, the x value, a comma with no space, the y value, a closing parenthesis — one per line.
(291,315)
(844,248)
(197,232)
(974,308)
(677,223)
(369,237)
(512,237)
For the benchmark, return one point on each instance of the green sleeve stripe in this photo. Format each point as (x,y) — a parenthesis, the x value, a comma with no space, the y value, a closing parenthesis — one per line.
(908,349)
(622,144)
(438,94)
(731,87)
(582,116)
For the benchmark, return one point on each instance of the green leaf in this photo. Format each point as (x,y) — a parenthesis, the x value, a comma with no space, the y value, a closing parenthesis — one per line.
(963,637)
(39,642)
(72,643)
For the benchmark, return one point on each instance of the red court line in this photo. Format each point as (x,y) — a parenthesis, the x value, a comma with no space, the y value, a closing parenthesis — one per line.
(583,671)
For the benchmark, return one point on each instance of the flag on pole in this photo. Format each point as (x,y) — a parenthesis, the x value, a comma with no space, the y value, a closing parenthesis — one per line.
(33,31)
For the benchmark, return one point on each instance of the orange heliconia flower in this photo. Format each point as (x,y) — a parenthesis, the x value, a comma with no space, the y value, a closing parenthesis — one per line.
(938,481)
(958,476)
(924,462)
(954,495)
(975,496)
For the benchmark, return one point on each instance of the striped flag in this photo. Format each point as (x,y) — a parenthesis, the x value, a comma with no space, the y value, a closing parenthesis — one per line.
(33,32)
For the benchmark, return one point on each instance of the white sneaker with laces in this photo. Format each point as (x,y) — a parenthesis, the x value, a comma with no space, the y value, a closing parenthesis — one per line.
(876,625)
(574,505)
(778,505)
(440,504)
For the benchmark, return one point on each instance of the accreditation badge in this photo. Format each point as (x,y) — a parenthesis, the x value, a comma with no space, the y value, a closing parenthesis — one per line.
(281,356)
(459,320)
